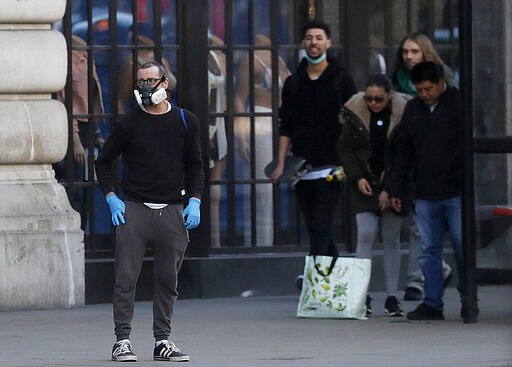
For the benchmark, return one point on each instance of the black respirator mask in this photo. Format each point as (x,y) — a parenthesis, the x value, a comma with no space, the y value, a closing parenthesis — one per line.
(149,96)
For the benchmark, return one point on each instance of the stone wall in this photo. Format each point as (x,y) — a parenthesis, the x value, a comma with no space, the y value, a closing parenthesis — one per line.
(41,244)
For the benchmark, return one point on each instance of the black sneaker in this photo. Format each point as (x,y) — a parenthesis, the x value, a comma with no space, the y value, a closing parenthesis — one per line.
(425,312)
(413,294)
(368,305)
(122,352)
(168,351)
(391,307)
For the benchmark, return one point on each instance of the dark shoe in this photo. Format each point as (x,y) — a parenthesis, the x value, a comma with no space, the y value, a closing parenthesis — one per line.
(425,312)
(447,279)
(391,307)
(299,281)
(168,351)
(413,294)
(463,310)
(122,352)
(368,305)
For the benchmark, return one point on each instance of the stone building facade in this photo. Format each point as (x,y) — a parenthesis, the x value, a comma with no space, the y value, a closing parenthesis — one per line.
(41,244)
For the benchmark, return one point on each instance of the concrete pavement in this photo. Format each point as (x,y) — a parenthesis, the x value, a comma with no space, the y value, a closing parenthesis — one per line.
(263,331)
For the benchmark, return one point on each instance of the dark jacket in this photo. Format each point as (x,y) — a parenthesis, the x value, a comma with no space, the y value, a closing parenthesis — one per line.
(309,112)
(431,143)
(161,157)
(355,149)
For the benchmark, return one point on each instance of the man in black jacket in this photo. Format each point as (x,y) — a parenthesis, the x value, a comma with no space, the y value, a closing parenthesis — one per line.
(429,140)
(311,100)
(415,48)
(162,167)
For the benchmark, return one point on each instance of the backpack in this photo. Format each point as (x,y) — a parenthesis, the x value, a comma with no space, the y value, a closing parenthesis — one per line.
(182,113)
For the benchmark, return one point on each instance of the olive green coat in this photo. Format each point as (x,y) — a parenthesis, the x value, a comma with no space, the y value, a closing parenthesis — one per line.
(354,148)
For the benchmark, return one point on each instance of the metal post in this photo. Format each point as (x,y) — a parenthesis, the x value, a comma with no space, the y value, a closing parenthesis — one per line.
(194,97)
(230,159)
(469,300)
(356,50)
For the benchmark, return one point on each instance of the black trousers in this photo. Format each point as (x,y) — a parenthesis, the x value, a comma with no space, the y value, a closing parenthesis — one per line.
(317,199)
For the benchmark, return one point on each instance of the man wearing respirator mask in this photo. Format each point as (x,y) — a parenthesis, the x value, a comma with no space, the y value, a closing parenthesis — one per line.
(162,169)
(148,93)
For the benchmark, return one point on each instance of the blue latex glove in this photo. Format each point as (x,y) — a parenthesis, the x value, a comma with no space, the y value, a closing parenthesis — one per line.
(192,214)
(117,207)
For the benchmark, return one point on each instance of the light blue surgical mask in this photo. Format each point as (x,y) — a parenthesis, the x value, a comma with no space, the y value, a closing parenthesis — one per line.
(317,60)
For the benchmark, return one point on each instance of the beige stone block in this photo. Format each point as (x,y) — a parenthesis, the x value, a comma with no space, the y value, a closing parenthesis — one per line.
(26,174)
(32,131)
(41,243)
(36,206)
(41,270)
(32,11)
(33,61)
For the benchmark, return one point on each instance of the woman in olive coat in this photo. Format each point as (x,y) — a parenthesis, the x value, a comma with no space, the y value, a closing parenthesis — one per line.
(365,149)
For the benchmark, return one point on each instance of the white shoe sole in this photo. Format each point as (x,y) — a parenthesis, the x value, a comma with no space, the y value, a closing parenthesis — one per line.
(172,359)
(125,359)
(394,314)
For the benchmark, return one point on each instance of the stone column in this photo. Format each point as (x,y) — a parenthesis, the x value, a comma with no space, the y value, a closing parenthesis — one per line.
(41,244)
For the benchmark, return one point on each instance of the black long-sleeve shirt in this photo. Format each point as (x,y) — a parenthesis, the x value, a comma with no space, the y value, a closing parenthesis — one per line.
(161,157)
(309,112)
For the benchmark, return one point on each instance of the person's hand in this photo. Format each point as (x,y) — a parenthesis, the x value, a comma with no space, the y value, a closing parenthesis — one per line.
(383,200)
(278,172)
(117,208)
(99,142)
(364,187)
(192,214)
(396,204)
(78,150)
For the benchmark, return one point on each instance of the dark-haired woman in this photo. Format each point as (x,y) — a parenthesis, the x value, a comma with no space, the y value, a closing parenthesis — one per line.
(365,150)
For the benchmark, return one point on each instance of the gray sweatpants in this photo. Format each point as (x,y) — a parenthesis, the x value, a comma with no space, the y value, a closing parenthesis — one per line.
(162,230)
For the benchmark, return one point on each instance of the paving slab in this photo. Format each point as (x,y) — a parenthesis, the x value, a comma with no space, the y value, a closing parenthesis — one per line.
(263,331)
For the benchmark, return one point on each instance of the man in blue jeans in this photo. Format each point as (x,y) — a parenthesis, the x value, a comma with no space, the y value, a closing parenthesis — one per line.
(429,140)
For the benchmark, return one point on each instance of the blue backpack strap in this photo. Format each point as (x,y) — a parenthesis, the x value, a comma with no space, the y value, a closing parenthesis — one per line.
(183,118)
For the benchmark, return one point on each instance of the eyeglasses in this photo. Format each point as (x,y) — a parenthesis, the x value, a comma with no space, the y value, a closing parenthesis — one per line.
(149,81)
(376,99)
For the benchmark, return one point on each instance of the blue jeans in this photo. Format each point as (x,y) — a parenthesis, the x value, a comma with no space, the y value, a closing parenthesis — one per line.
(415,277)
(432,216)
